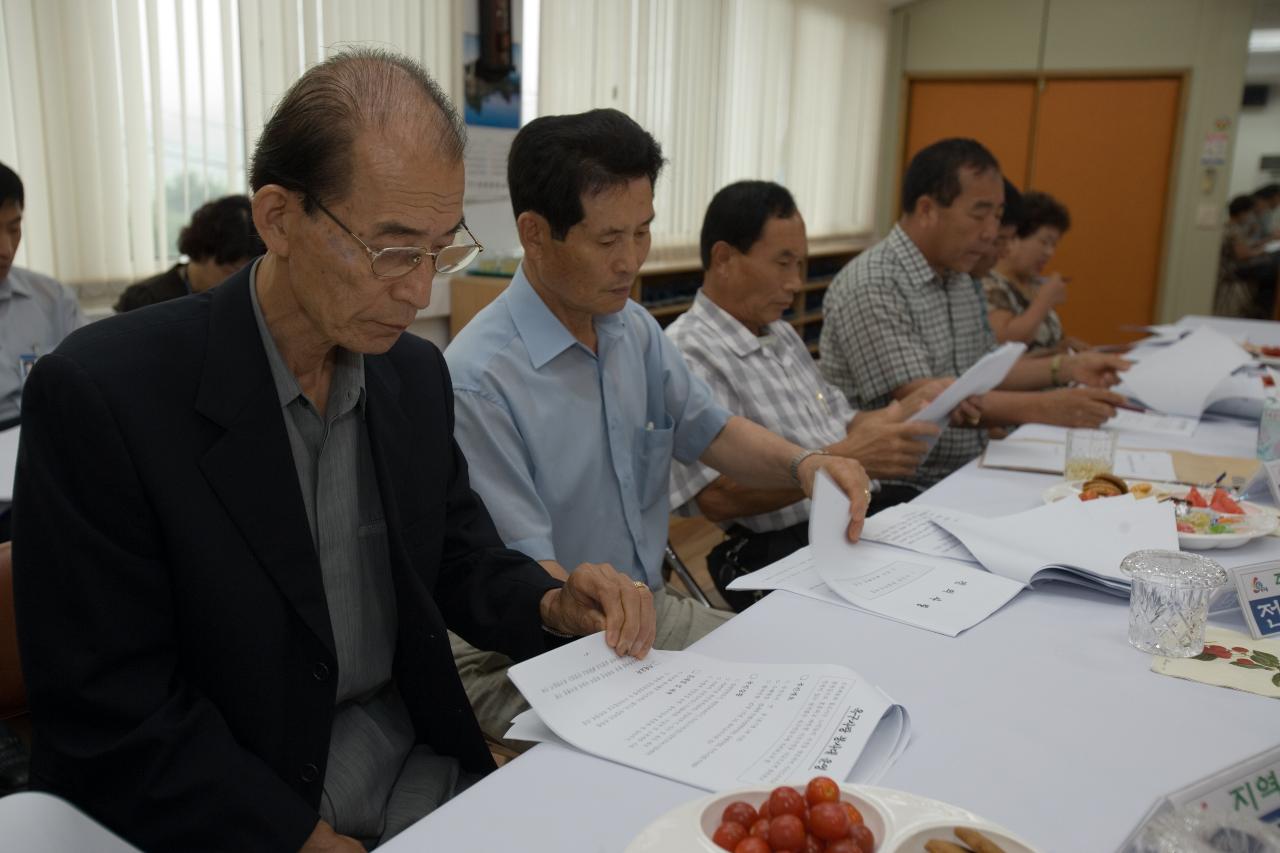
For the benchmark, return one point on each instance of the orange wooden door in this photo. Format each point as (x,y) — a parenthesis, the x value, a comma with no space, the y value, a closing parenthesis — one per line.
(997,113)
(1104,148)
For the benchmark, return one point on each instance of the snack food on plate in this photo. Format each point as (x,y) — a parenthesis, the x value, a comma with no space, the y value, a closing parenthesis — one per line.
(1103,486)
(975,842)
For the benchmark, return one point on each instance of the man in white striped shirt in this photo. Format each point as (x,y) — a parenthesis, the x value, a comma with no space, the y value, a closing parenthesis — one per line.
(754,253)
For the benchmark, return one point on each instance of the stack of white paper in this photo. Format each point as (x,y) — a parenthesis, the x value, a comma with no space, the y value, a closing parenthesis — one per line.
(1127,420)
(988,372)
(1161,335)
(1050,458)
(933,591)
(710,723)
(1179,379)
(1075,541)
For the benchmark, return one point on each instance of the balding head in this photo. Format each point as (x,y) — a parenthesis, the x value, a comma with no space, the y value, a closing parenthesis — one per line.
(308,143)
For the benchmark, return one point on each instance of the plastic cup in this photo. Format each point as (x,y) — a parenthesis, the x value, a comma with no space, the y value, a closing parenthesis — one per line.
(1169,600)
(1090,452)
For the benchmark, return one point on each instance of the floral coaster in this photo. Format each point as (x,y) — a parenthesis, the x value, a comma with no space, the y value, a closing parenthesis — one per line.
(1230,659)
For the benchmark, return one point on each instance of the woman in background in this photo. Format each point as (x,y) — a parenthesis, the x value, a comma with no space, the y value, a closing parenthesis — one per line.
(219,240)
(1020,301)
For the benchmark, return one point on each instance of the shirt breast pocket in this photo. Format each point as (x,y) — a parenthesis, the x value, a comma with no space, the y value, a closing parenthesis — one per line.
(654,447)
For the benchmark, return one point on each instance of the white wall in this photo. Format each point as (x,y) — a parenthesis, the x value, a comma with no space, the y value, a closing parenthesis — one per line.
(1258,128)
(1207,39)
(1258,133)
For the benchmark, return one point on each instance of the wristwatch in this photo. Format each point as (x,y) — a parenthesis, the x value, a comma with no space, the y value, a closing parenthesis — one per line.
(800,457)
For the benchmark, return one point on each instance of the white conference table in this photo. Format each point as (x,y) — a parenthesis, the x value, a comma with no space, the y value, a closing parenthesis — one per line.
(1041,718)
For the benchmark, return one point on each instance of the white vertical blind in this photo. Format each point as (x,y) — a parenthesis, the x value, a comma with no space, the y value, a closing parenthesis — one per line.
(126,115)
(784,90)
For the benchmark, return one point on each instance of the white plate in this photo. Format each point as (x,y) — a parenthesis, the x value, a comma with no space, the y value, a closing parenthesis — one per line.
(900,822)
(1255,350)
(1261,520)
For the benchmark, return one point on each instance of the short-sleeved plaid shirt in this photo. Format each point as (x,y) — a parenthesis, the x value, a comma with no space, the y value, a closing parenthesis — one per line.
(889,319)
(771,380)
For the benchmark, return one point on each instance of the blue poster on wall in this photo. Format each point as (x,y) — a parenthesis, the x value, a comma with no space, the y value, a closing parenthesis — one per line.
(491,63)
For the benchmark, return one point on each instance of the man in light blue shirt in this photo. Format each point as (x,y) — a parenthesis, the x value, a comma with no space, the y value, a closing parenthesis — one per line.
(571,403)
(36,311)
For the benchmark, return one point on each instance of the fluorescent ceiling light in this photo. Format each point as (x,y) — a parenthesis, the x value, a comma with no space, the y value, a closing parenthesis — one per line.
(1264,41)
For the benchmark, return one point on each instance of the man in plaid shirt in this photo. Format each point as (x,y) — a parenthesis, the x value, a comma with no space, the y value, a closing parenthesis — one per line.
(905,312)
(757,366)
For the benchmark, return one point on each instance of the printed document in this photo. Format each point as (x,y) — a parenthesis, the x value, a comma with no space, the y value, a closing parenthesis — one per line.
(1178,379)
(711,723)
(988,372)
(935,593)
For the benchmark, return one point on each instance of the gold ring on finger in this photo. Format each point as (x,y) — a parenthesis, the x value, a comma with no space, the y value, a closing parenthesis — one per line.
(640,584)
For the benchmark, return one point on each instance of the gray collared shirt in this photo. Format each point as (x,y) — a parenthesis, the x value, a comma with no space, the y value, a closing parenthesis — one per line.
(36,313)
(890,319)
(372,733)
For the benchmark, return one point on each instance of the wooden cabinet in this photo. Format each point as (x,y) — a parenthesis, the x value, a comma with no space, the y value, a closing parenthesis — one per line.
(666,288)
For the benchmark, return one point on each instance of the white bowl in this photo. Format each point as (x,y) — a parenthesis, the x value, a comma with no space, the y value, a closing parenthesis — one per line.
(899,821)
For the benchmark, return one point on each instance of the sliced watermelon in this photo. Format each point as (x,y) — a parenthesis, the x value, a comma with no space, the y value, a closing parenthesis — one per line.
(1222,502)
(1196,499)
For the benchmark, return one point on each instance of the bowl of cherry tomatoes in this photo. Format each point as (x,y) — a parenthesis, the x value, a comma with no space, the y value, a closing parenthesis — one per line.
(821,816)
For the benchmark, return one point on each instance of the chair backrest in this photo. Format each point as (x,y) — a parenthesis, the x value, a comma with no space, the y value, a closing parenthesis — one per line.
(13,693)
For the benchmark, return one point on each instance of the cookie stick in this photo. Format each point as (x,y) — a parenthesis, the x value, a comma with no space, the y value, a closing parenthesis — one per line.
(979,842)
(936,846)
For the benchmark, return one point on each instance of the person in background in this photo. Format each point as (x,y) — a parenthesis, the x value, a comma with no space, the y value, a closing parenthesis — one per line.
(1268,221)
(36,311)
(754,253)
(1247,272)
(1020,300)
(905,312)
(219,239)
(1009,217)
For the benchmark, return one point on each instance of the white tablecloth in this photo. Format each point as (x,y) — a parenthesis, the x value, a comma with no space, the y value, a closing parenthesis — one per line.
(1042,718)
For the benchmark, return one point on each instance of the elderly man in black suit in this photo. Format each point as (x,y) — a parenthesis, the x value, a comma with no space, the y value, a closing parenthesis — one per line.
(244,525)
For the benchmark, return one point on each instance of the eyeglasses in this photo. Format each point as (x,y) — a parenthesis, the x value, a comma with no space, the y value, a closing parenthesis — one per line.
(402,260)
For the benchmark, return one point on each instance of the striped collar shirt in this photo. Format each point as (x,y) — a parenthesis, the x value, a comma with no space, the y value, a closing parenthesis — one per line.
(770,379)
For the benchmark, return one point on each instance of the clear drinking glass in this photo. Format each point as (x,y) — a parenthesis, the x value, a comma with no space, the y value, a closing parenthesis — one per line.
(1090,452)
(1169,600)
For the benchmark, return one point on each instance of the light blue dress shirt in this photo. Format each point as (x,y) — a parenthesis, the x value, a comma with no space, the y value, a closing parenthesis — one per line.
(569,449)
(36,313)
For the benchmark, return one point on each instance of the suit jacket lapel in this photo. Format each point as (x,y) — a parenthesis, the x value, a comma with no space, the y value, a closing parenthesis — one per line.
(251,466)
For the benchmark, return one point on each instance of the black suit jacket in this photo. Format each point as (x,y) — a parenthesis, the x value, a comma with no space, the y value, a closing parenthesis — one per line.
(171,613)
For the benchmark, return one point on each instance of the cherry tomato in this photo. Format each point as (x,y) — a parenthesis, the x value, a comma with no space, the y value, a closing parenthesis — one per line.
(740,812)
(760,828)
(863,837)
(821,789)
(812,844)
(786,832)
(785,800)
(765,812)
(752,844)
(828,821)
(844,845)
(855,816)
(728,834)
